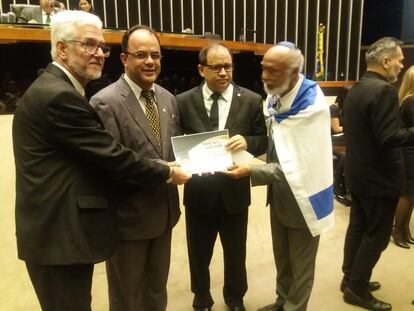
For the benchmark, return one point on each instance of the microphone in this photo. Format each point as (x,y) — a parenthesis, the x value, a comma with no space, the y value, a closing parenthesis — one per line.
(243,30)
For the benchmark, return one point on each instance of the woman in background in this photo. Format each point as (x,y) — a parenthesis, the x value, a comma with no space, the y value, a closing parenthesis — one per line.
(401,231)
(86,5)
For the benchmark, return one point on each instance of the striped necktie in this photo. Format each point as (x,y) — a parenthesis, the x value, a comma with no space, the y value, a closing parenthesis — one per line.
(152,114)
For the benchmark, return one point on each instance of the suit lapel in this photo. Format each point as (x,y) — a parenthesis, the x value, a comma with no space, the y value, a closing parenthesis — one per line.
(234,107)
(198,100)
(164,117)
(56,71)
(133,106)
(38,16)
(60,74)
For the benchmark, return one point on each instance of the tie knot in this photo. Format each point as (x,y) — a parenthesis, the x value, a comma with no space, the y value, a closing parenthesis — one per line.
(276,102)
(273,105)
(148,95)
(215,96)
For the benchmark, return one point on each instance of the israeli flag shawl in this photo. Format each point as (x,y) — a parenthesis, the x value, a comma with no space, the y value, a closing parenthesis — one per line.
(303,144)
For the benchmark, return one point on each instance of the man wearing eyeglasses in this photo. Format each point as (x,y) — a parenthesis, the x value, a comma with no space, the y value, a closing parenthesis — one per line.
(298,172)
(216,204)
(66,167)
(143,116)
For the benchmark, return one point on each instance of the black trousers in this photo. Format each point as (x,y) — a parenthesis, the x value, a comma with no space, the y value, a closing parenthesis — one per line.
(367,236)
(62,288)
(339,176)
(202,231)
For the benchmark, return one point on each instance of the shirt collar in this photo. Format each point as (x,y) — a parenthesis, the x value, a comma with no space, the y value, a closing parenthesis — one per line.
(76,84)
(135,87)
(287,99)
(227,94)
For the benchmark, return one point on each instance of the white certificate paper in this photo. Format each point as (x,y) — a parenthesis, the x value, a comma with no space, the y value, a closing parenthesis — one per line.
(202,152)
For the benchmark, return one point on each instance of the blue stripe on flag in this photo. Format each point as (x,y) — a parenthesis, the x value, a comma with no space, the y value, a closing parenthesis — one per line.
(305,97)
(322,202)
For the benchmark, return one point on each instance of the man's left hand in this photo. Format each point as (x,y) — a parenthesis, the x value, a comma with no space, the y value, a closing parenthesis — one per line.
(236,142)
(238,171)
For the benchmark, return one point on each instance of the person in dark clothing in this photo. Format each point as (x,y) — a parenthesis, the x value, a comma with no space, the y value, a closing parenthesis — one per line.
(401,232)
(373,169)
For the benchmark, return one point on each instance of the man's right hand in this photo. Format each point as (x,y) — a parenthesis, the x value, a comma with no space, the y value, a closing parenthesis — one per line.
(179,176)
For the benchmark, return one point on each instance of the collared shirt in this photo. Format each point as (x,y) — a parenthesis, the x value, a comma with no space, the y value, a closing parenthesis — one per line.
(285,103)
(44,16)
(286,100)
(224,103)
(136,89)
(76,84)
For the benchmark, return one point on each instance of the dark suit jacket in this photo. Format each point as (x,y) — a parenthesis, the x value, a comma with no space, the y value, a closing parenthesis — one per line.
(143,213)
(32,13)
(245,118)
(373,136)
(64,159)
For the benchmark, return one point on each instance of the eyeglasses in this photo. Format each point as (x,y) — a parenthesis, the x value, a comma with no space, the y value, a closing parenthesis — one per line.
(144,55)
(91,47)
(216,68)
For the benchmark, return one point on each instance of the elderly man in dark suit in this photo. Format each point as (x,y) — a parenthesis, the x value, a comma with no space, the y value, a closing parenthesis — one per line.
(138,271)
(65,165)
(373,169)
(41,14)
(217,204)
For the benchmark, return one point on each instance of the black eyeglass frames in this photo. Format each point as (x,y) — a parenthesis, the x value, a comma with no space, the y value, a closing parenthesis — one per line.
(216,68)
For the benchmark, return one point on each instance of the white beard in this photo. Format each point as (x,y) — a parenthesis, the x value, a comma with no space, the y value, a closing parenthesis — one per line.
(91,75)
(277,90)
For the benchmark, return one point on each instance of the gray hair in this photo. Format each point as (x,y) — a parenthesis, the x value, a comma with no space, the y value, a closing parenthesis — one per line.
(295,54)
(64,26)
(386,46)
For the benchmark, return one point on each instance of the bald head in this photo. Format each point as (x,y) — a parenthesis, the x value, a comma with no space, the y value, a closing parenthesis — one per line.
(291,57)
(281,66)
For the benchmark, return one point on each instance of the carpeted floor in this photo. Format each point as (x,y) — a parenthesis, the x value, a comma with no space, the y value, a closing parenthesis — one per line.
(395,269)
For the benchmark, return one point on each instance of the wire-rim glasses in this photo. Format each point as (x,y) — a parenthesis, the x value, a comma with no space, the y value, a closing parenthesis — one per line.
(91,46)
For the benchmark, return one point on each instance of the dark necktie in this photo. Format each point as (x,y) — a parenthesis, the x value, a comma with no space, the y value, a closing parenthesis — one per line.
(278,104)
(47,18)
(214,111)
(274,105)
(152,114)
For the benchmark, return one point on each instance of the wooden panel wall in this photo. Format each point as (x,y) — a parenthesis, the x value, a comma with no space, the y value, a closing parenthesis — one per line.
(264,21)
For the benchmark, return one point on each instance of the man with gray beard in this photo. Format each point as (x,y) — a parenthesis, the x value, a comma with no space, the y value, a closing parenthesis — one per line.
(298,173)
(66,166)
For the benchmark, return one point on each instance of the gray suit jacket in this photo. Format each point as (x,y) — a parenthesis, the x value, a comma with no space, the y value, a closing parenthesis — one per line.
(145,213)
(32,13)
(279,195)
